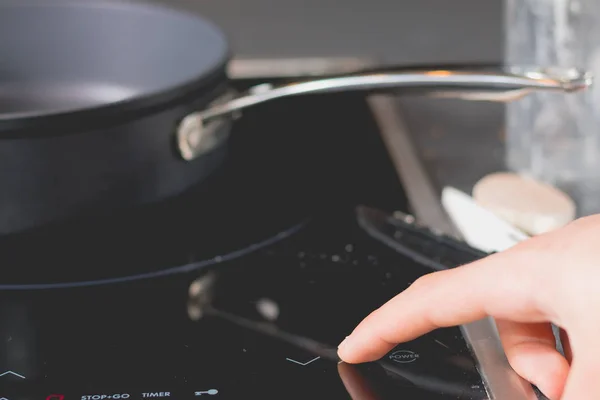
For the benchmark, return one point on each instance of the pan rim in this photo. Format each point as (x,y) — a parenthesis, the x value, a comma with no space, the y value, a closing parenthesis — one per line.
(66,121)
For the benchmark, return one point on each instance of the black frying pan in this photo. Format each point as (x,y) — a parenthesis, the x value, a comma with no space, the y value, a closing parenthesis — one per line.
(107,104)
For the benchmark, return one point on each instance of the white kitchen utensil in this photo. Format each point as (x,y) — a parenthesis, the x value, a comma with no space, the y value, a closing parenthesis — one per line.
(479,227)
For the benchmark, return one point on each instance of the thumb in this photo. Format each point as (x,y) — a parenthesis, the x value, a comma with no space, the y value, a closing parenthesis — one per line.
(584,377)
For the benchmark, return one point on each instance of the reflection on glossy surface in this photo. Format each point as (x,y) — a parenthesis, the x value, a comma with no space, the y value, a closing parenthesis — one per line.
(357,386)
(322,281)
(313,279)
(20,343)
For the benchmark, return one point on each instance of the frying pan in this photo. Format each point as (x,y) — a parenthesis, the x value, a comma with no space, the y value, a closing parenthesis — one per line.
(108,104)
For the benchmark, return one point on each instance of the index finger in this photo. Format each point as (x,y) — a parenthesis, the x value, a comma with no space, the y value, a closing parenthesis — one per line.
(501,285)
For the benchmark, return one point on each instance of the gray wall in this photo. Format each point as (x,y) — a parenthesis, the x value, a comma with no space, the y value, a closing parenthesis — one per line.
(390,30)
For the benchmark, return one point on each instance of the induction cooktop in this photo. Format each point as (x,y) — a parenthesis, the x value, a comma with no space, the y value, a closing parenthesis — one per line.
(241,288)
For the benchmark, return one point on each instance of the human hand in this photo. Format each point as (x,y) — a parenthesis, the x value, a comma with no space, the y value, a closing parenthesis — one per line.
(551,278)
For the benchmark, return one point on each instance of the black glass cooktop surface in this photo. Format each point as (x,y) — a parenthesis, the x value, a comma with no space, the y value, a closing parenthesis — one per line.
(241,289)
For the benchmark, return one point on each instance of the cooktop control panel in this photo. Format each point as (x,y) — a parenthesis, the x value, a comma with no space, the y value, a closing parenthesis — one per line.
(264,325)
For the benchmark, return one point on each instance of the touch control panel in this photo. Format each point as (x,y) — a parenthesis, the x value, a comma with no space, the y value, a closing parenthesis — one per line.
(263,326)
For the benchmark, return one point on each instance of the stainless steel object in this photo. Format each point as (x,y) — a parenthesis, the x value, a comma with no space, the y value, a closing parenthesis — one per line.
(480,84)
(502,382)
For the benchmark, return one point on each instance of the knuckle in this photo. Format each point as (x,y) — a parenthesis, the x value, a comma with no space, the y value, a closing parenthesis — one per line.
(423,281)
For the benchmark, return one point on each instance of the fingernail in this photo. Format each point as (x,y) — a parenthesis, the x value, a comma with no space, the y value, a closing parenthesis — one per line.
(341,345)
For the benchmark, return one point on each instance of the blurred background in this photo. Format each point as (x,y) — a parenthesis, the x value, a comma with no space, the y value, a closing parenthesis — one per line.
(391,31)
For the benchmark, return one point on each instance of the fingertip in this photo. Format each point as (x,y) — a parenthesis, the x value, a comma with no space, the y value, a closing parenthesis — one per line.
(343,353)
(542,366)
(553,383)
(356,349)
(347,356)
(350,353)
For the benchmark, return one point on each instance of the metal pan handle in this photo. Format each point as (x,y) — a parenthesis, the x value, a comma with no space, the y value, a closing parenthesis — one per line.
(499,84)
